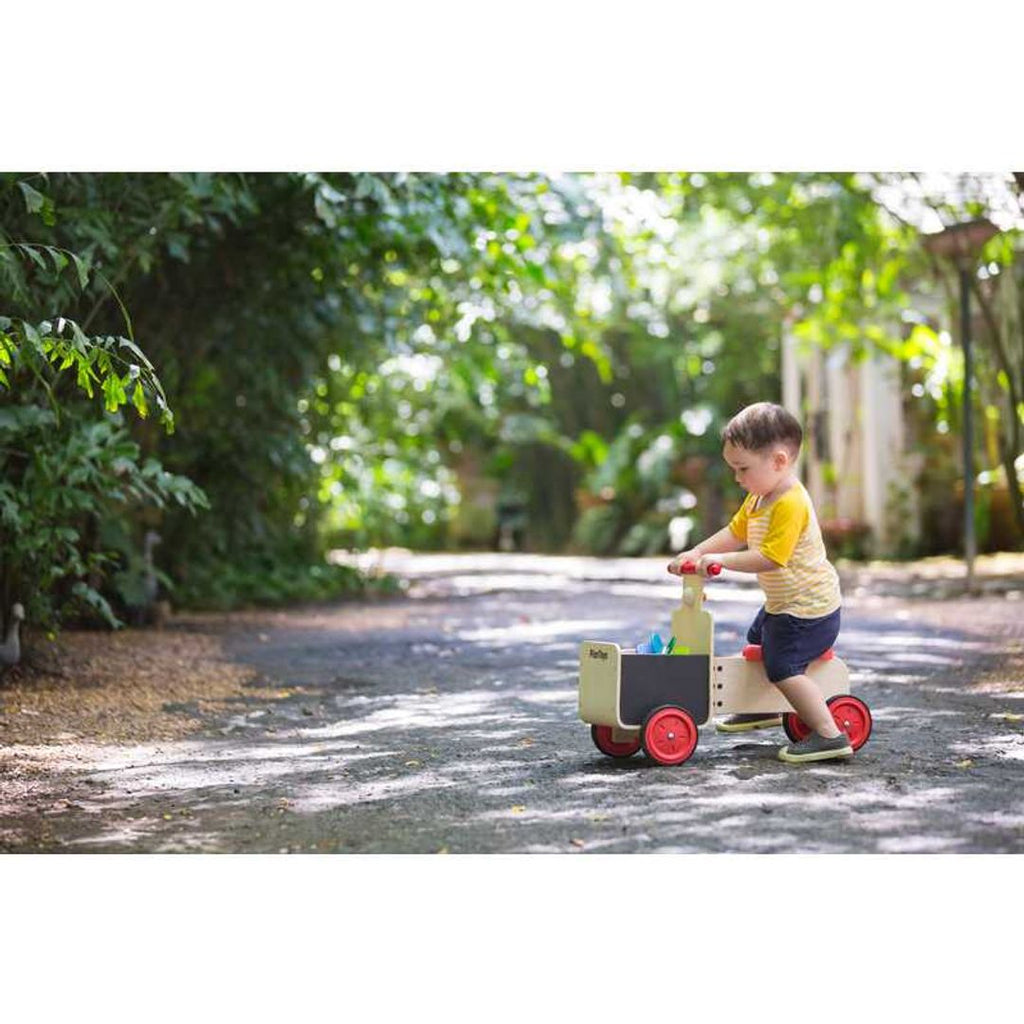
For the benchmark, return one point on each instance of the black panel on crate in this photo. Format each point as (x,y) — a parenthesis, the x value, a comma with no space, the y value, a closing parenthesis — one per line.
(650,680)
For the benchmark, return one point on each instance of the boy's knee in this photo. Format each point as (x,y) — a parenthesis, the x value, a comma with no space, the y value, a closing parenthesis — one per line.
(782,678)
(778,671)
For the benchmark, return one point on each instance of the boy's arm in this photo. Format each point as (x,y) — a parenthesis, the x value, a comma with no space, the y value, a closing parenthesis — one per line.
(742,561)
(724,540)
(789,517)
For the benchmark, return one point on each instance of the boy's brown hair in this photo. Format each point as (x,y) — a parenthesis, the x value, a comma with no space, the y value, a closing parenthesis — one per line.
(761,425)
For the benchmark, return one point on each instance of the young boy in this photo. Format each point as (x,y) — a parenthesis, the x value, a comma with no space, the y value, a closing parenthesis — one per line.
(778,527)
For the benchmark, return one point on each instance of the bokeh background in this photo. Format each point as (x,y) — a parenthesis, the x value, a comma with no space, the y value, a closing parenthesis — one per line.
(218,388)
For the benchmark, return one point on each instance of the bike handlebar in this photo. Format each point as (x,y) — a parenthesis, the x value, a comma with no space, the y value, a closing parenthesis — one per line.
(691,567)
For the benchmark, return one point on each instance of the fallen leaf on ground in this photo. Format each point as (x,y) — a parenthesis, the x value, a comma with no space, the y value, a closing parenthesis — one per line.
(519,808)
(965,763)
(576,842)
(412,764)
(1008,716)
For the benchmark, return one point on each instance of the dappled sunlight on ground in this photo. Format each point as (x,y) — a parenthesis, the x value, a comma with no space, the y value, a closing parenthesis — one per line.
(524,632)
(433,725)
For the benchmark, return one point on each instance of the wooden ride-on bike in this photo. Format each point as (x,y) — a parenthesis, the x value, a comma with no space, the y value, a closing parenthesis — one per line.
(657,702)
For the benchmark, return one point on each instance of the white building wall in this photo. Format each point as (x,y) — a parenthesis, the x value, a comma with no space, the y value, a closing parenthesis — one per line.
(863,407)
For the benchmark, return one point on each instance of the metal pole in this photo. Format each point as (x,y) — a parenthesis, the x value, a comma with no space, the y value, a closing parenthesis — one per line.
(970,541)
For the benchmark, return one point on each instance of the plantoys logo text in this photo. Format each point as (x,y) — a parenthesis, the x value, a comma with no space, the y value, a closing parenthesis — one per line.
(595,652)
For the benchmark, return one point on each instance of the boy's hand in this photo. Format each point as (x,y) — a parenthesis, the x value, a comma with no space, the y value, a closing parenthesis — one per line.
(675,566)
(705,561)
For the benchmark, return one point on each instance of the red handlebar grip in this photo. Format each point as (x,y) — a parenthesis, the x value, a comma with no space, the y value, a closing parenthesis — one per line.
(691,567)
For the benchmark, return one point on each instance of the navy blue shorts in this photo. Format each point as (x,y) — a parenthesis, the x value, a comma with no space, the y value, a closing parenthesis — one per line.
(789,644)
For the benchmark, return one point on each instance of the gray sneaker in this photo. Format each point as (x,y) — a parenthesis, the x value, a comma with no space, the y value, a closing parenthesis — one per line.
(742,723)
(816,748)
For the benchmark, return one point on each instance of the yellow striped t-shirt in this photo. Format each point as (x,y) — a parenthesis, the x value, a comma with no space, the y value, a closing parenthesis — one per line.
(806,584)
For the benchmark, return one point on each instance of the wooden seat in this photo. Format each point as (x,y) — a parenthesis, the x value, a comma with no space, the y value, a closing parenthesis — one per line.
(752,652)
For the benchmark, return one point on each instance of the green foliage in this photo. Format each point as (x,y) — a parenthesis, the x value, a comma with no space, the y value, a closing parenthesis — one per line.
(282,308)
(63,476)
(598,528)
(67,465)
(348,352)
(115,366)
(262,581)
(633,492)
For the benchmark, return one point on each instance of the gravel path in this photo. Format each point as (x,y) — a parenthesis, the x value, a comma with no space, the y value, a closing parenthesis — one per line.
(446,722)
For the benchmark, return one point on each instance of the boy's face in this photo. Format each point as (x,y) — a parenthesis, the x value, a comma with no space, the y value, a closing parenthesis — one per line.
(757,472)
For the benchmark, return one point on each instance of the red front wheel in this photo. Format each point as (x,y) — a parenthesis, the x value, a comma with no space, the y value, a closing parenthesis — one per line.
(602,737)
(851,714)
(669,735)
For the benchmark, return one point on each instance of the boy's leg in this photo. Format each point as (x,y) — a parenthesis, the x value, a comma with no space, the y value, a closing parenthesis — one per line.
(790,645)
(746,722)
(807,701)
(827,741)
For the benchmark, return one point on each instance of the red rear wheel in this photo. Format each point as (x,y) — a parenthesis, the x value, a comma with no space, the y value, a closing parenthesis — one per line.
(794,727)
(669,735)
(602,737)
(851,714)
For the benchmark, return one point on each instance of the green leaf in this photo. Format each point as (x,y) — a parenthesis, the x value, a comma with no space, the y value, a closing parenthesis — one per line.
(80,342)
(83,270)
(60,261)
(113,393)
(139,401)
(23,418)
(33,200)
(97,601)
(32,335)
(9,512)
(85,378)
(34,255)
(136,351)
